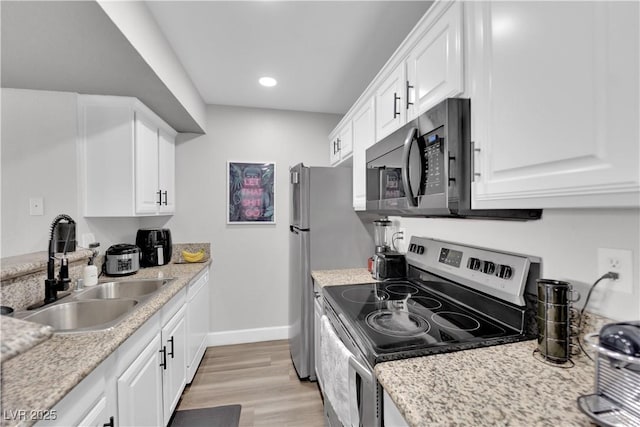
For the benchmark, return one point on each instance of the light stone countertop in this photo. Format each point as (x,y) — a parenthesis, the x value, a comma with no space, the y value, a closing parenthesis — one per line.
(39,378)
(502,385)
(18,336)
(345,276)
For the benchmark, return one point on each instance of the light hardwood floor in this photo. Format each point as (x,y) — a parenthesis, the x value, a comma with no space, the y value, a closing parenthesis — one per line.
(261,378)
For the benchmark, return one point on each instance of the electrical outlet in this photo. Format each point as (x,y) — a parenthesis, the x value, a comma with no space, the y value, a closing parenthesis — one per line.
(618,261)
(36,206)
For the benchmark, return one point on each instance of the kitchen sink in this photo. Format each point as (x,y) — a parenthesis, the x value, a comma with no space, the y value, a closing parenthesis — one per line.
(77,316)
(123,289)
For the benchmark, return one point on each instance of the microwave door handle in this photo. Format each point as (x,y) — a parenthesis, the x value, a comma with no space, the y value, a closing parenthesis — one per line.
(405,169)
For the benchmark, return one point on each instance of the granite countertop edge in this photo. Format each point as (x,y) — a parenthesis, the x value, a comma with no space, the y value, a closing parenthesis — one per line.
(40,377)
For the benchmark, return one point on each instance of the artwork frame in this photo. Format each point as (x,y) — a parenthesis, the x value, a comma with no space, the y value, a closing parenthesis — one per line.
(251,192)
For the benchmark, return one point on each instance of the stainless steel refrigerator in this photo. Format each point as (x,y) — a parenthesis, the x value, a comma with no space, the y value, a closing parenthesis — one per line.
(324,233)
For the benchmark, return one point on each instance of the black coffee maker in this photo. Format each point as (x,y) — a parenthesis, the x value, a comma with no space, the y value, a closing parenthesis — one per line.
(155,246)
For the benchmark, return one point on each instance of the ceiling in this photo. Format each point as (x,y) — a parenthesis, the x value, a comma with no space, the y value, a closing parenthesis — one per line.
(323,53)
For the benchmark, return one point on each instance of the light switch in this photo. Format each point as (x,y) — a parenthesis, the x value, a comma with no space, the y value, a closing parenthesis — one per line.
(36,206)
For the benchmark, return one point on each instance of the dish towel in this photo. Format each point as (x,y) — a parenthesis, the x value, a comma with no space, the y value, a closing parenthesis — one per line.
(335,357)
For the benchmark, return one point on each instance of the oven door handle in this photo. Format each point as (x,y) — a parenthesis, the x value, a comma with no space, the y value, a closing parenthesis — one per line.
(405,166)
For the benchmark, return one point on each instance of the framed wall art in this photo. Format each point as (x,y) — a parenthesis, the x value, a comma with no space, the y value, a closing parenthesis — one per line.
(250,193)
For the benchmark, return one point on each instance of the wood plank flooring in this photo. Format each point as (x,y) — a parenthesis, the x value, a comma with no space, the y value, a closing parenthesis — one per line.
(261,378)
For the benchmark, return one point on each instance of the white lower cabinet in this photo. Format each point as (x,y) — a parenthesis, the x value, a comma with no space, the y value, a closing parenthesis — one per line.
(197,322)
(140,389)
(90,403)
(138,385)
(174,371)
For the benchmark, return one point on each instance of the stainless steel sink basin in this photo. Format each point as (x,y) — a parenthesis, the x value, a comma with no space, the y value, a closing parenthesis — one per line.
(76,316)
(123,289)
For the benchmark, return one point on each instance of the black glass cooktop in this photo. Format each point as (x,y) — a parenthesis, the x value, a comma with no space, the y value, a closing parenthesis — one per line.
(392,320)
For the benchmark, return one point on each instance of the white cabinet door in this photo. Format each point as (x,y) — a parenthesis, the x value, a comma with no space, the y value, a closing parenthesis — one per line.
(140,389)
(98,415)
(146,171)
(126,158)
(197,323)
(435,64)
(167,171)
(555,104)
(363,137)
(345,140)
(174,377)
(390,96)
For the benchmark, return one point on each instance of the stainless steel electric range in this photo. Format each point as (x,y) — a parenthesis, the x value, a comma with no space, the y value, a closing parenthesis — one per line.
(455,297)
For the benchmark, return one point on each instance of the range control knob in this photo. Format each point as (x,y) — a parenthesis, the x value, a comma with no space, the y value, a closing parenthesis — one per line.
(504,272)
(412,247)
(420,250)
(474,264)
(488,267)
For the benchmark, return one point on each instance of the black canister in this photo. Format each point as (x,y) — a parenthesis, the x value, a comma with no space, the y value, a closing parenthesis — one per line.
(554,319)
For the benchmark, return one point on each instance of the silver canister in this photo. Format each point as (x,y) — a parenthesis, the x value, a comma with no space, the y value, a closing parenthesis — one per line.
(555,333)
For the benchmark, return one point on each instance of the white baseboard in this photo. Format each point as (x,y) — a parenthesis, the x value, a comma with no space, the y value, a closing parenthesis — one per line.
(244,336)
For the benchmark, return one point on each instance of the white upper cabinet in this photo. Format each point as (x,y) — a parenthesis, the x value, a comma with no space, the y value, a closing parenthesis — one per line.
(435,64)
(126,158)
(390,98)
(364,136)
(554,100)
(341,143)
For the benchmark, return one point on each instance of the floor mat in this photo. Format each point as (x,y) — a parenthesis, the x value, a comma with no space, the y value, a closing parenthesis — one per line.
(220,416)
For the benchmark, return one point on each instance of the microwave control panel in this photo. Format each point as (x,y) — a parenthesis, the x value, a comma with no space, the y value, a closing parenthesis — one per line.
(434,172)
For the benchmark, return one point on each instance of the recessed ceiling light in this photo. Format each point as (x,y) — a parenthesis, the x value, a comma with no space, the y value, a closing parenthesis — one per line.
(267,81)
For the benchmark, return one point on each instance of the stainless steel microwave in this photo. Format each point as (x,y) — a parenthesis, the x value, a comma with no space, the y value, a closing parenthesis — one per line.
(424,168)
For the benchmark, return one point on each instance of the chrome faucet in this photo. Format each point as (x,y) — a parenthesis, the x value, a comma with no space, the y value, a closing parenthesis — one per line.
(52,284)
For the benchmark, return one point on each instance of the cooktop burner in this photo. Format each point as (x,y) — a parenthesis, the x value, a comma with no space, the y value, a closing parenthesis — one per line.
(364,295)
(398,323)
(455,321)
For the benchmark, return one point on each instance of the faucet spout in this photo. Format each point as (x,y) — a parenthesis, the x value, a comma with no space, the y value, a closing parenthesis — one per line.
(51,284)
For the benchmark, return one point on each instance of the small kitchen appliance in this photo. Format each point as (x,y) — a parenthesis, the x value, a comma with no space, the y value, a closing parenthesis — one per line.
(385,263)
(615,401)
(453,297)
(554,319)
(156,246)
(122,259)
(426,168)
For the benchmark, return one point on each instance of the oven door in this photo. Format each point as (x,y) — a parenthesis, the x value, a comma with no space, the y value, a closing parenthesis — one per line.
(352,396)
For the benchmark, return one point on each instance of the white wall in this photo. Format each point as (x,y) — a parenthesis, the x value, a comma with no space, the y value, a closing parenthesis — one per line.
(38,141)
(250,269)
(567,240)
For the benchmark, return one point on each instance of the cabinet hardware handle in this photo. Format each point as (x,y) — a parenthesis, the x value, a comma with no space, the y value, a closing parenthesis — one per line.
(166,198)
(164,357)
(339,148)
(409,87)
(449,171)
(334,147)
(171,352)
(110,423)
(396,98)
(474,150)
(159,193)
